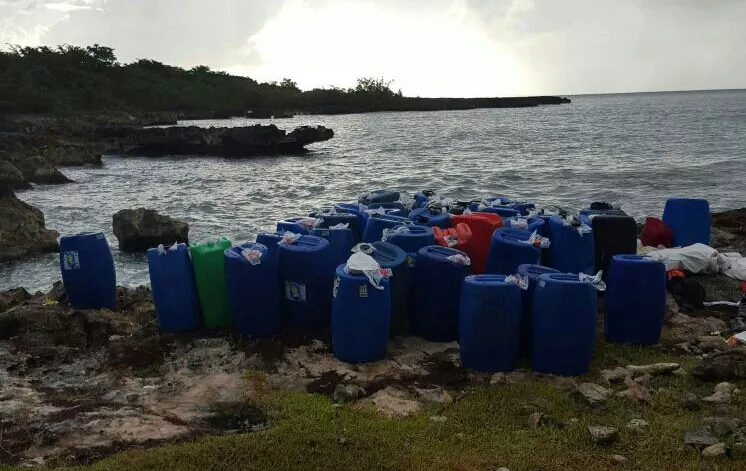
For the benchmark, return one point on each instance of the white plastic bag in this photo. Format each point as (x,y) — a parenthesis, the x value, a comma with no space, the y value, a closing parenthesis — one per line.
(289,238)
(459,259)
(309,223)
(697,258)
(253,256)
(732,264)
(538,241)
(519,223)
(390,232)
(163,251)
(362,263)
(521,281)
(380,211)
(341,225)
(595,280)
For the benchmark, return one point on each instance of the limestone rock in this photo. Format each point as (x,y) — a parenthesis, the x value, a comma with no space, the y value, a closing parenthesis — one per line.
(345,393)
(722,395)
(140,229)
(637,426)
(601,435)
(725,366)
(23,231)
(13,297)
(11,177)
(654,369)
(690,401)
(616,375)
(700,438)
(435,395)
(592,394)
(618,459)
(724,427)
(685,329)
(714,451)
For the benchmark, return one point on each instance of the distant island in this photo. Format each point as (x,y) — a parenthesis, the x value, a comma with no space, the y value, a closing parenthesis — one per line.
(70,80)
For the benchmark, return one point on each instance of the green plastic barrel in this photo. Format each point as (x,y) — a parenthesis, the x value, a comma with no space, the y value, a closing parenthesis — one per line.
(209,272)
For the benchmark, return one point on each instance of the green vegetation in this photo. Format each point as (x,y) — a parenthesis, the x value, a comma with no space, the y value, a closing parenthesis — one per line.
(485,430)
(73,79)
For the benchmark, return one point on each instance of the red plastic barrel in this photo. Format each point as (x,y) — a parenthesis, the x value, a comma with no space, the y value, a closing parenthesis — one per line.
(482,226)
(458,237)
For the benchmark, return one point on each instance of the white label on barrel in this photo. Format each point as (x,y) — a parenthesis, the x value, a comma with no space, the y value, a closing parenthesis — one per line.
(71,260)
(295,291)
(336,286)
(363,291)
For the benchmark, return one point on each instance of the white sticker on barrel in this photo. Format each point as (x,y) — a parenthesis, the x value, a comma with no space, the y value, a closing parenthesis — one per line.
(71,260)
(364,291)
(295,291)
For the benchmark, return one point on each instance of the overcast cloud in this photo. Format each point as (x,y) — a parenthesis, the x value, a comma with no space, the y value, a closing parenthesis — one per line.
(430,47)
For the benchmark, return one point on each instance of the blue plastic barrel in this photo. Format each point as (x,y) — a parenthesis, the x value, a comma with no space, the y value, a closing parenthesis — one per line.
(564,325)
(423,217)
(489,323)
(635,300)
(570,251)
(305,282)
(293,225)
(532,272)
(689,219)
(356,209)
(377,223)
(502,211)
(253,292)
(522,208)
(361,316)
(436,294)
(414,239)
(509,249)
(341,242)
(395,206)
(333,219)
(174,289)
(587,215)
(422,197)
(394,258)
(379,196)
(534,224)
(88,271)
(269,239)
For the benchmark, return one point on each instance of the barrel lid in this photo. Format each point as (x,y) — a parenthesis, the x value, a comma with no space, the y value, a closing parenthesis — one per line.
(534,271)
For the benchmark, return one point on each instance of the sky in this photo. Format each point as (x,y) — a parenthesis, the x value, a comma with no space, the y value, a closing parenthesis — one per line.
(428,47)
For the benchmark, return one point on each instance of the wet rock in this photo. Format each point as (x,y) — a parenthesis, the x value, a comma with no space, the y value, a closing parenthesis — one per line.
(724,427)
(13,297)
(723,394)
(22,230)
(617,375)
(592,394)
(690,401)
(714,451)
(637,426)
(685,329)
(434,396)
(653,370)
(700,438)
(140,229)
(601,435)
(347,393)
(11,177)
(725,366)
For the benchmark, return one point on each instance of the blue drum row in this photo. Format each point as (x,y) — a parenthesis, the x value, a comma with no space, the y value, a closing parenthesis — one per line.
(432,294)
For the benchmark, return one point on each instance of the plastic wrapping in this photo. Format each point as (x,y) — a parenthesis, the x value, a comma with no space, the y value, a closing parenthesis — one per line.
(362,263)
(289,238)
(163,250)
(388,233)
(595,280)
(459,259)
(521,281)
(538,241)
(253,256)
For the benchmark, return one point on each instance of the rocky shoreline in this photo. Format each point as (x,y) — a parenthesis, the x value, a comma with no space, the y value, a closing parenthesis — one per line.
(78,385)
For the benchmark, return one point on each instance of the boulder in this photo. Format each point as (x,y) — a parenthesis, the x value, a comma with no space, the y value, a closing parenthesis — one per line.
(140,229)
(723,394)
(714,451)
(724,366)
(11,177)
(49,176)
(686,329)
(637,426)
(700,438)
(592,394)
(603,435)
(22,230)
(12,298)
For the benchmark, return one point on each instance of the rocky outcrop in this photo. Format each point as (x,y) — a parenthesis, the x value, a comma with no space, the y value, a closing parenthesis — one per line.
(724,366)
(140,229)
(11,177)
(39,170)
(230,142)
(22,229)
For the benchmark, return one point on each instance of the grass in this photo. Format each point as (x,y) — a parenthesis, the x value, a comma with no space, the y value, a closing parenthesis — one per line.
(484,431)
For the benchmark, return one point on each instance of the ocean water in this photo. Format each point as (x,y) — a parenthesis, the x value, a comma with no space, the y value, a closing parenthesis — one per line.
(631,150)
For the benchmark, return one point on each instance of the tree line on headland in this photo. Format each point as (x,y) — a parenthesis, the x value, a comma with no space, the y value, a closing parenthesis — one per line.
(73,79)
